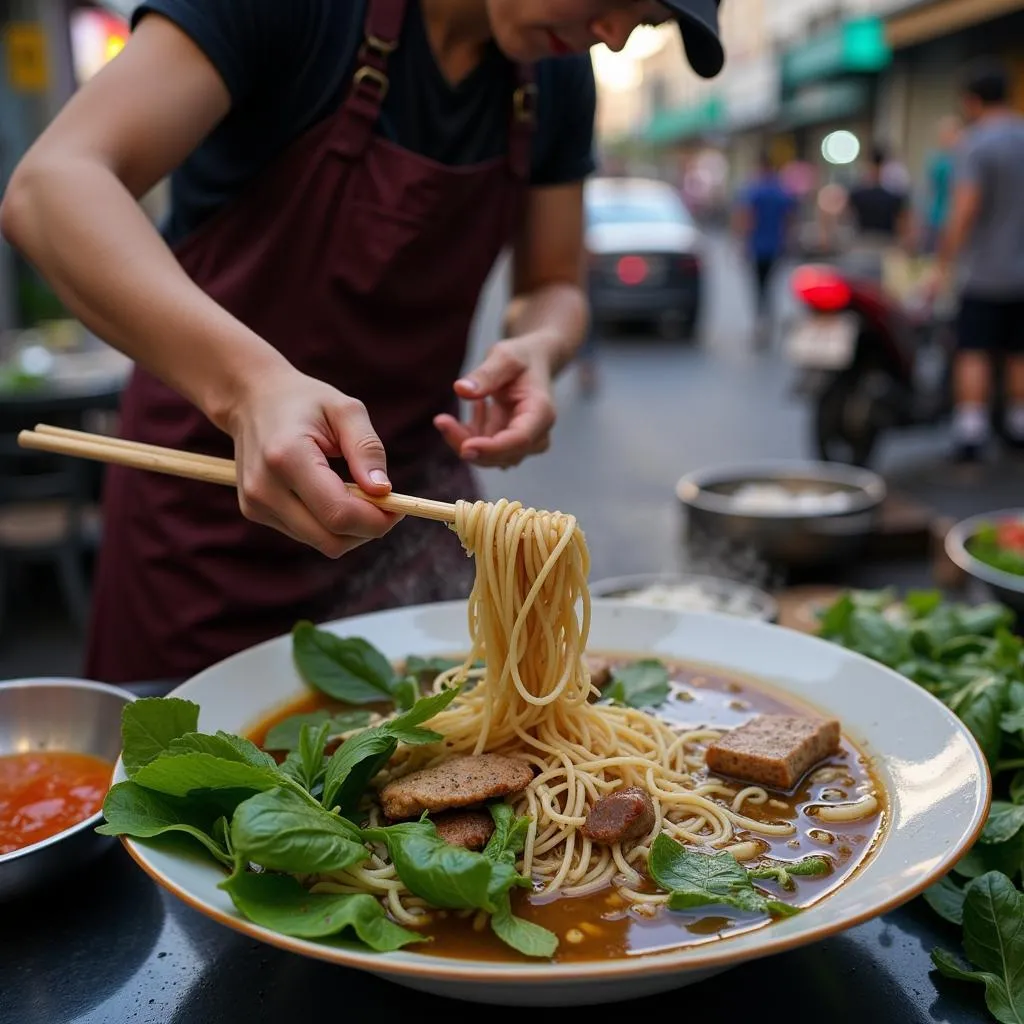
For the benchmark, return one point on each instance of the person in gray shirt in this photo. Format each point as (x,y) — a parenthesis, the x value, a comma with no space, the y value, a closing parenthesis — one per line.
(984,240)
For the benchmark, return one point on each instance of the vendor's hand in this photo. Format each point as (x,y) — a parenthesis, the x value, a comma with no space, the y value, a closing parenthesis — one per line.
(937,284)
(285,428)
(513,410)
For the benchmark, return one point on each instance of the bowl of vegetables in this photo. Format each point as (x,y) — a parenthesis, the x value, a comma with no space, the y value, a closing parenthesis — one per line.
(990,548)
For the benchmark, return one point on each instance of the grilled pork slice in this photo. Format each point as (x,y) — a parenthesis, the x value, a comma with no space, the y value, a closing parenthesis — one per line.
(774,750)
(459,782)
(471,829)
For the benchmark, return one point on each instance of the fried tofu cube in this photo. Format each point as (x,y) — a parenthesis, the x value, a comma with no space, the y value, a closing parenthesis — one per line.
(774,750)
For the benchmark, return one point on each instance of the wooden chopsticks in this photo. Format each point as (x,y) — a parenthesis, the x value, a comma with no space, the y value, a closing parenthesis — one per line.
(207,468)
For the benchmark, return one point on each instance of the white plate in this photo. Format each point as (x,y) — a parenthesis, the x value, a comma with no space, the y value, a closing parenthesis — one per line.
(826,342)
(935,777)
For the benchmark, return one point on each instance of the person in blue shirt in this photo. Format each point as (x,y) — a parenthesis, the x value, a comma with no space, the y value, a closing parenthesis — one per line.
(941,167)
(763,217)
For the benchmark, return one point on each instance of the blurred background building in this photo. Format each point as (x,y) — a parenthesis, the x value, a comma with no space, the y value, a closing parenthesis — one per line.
(815,82)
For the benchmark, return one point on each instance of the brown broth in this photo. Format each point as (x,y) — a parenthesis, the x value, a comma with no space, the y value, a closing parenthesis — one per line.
(602,925)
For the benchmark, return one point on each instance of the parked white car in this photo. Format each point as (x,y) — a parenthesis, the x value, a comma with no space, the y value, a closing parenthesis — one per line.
(645,255)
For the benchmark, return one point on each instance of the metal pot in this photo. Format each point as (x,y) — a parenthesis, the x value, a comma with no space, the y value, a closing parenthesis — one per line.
(783,537)
(1005,586)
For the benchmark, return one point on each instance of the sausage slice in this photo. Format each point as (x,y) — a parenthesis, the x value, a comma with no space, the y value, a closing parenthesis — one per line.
(620,816)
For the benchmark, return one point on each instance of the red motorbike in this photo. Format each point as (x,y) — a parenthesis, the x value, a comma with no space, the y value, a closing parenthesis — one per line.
(867,363)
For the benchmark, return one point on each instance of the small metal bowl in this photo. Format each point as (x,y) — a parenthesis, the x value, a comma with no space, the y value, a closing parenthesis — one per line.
(784,537)
(725,592)
(1005,586)
(66,715)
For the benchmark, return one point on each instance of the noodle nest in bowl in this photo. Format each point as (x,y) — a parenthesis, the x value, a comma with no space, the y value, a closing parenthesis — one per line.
(533,699)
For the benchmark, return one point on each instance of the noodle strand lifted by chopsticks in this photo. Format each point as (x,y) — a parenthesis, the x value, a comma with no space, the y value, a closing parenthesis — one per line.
(529,620)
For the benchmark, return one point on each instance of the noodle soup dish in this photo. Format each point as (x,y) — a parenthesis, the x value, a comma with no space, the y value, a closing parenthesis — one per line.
(473,794)
(795,845)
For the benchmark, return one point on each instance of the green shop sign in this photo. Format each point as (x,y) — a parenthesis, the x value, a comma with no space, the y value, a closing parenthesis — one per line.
(857,45)
(668,126)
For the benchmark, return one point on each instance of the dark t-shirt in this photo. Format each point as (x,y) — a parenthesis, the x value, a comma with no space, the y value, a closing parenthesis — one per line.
(877,209)
(288,65)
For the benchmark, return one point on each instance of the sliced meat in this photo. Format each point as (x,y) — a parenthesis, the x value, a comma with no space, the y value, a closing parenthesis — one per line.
(774,750)
(470,829)
(600,670)
(460,782)
(620,816)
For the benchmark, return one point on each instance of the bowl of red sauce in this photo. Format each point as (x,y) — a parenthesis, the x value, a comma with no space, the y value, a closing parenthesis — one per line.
(59,740)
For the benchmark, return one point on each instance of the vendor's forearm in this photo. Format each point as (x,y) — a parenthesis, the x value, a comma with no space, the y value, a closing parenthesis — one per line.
(77,223)
(560,311)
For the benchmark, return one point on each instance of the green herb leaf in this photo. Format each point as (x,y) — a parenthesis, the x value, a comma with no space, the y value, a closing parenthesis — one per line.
(406,691)
(190,773)
(347,668)
(148,727)
(281,904)
(523,936)
(1017,788)
(993,915)
(281,831)
(223,745)
(946,898)
(642,684)
(362,756)
(285,735)
(426,670)
(979,706)
(509,837)
(1005,820)
(449,877)
(982,858)
(698,879)
(781,871)
(133,811)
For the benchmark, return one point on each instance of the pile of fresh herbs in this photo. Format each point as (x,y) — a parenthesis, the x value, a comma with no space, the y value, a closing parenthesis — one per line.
(968,657)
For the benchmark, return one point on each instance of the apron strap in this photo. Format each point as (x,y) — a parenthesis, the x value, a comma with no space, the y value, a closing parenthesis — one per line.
(524,120)
(370,83)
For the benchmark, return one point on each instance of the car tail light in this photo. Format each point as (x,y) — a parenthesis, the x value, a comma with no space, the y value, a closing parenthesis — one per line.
(632,269)
(821,289)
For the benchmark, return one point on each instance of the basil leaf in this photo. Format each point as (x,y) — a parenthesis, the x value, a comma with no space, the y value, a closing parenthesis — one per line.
(642,684)
(281,904)
(509,837)
(361,757)
(698,879)
(1017,788)
(982,858)
(979,706)
(188,773)
(353,765)
(946,898)
(347,668)
(523,936)
(311,754)
(223,745)
(285,735)
(405,692)
(781,871)
(281,831)
(1005,820)
(133,811)
(426,670)
(993,915)
(448,877)
(149,725)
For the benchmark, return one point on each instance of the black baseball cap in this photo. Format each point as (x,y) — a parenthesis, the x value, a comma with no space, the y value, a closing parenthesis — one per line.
(698,22)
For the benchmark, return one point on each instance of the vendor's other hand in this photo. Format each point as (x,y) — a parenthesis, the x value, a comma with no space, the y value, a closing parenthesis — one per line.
(285,428)
(512,409)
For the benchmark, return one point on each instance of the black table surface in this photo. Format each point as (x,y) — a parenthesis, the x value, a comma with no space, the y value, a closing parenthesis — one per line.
(109,946)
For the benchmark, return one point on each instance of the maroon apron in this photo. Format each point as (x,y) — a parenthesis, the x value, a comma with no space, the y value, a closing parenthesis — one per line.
(363,263)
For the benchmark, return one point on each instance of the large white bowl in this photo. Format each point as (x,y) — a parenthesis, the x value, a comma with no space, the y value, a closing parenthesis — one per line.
(935,776)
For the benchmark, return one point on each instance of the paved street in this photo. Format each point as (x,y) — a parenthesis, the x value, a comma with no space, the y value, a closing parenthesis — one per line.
(662,410)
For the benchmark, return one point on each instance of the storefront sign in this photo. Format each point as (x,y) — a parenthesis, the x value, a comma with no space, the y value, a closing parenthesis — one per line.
(28,67)
(858,45)
(751,92)
(825,101)
(688,122)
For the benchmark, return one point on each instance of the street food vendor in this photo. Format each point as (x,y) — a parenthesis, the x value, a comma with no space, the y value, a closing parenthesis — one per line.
(344,174)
